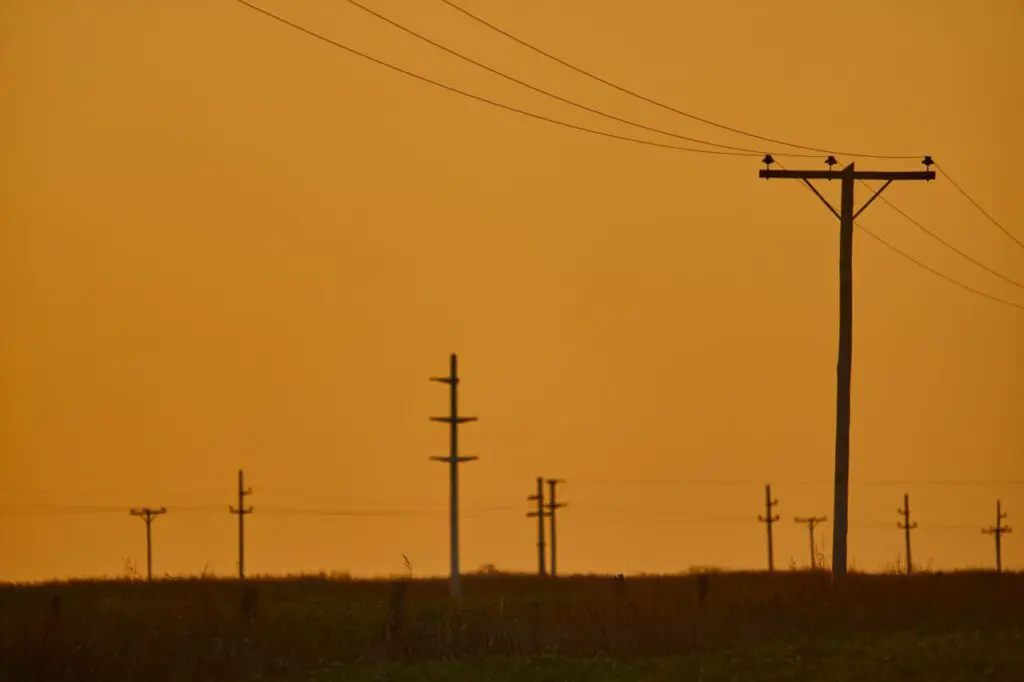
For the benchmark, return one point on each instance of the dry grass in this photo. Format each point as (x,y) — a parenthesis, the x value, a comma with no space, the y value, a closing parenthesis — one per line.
(294,628)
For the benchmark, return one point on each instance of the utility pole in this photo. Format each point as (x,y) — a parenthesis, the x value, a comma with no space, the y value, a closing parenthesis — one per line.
(907,526)
(147,515)
(811,522)
(998,531)
(540,514)
(453,459)
(552,506)
(846,215)
(242,510)
(768,519)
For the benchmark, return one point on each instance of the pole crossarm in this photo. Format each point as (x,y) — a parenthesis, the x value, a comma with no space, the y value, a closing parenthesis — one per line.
(768,174)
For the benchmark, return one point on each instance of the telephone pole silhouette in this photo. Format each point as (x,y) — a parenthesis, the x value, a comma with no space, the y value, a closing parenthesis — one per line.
(242,510)
(846,215)
(540,514)
(453,459)
(768,519)
(998,531)
(552,506)
(907,526)
(147,515)
(811,522)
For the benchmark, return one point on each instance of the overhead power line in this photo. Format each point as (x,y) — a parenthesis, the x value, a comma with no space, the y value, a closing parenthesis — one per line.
(478,98)
(978,206)
(667,107)
(930,269)
(555,96)
(951,247)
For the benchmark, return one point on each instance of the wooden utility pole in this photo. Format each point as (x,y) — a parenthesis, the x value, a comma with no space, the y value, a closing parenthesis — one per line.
(147,515)
(846,215)
(811,522)
(242,510)
(552,506)
(453,459)
(768,519)
(998,531)
(907,526)
(540,514)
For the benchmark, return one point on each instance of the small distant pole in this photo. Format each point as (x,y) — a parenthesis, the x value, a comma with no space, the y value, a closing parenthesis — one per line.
(453,459)
(998,531)
(147,515)
(811,522)
(552,506)
(539,499)
(242,510)
(768,519)
(907,526)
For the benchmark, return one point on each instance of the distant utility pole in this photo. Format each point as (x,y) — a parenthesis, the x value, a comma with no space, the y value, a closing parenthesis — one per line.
(907,526)
(998,531)
(811,522)
(768,519)
(242,510)
(147,515)
(552,506)
(847,215)
(540,514)
(453,459)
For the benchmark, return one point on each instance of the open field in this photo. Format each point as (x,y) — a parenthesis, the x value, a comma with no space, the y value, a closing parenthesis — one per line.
(787,626)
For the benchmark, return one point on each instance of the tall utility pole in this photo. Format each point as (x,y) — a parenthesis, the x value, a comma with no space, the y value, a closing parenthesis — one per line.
(552,506)
(768,519)
(998,531)
(540,514)
(242,510)
(907,526)
(147,515)
(811,522)
(453,459)
(846,215)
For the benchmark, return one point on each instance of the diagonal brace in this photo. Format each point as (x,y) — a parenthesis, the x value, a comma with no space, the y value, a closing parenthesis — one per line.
(873,197)
(823,199)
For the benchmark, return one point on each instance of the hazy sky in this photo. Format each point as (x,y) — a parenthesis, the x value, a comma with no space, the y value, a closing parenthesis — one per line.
(226,244)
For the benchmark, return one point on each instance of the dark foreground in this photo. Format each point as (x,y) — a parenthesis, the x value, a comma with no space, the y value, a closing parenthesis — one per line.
(750,627)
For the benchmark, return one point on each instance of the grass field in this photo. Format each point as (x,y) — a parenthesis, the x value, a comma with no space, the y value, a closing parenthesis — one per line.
(787,626)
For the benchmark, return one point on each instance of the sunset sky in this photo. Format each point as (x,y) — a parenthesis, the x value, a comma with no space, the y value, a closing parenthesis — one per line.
(226,244)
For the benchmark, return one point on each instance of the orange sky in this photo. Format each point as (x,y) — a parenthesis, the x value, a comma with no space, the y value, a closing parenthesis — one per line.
(226,244)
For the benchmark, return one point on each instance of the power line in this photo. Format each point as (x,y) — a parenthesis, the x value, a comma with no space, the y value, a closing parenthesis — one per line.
(439,84)
(554,96)
(935,272)
(930,269)
(657,103)
(942,241)
(978,206)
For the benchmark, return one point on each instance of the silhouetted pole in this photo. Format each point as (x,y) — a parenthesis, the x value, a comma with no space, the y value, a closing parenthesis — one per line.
(147,515)
(552,506)
(453,459)
(768,519)
(907,526)
(847,215)
(998,531)
(539,499)
(242,510)
(811,522)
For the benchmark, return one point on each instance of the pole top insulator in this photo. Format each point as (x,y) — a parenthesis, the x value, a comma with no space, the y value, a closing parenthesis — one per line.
(767,161)
(928,162)
(831,161)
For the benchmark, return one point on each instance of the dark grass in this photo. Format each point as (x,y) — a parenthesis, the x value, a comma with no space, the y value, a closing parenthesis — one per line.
(751,627)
